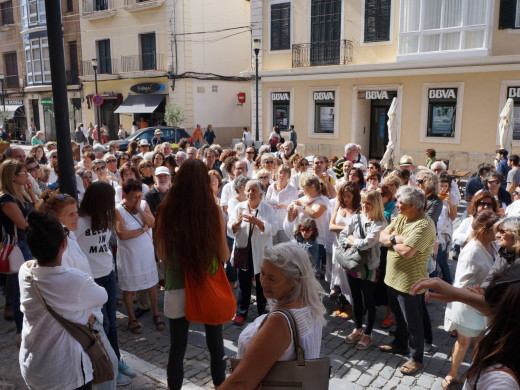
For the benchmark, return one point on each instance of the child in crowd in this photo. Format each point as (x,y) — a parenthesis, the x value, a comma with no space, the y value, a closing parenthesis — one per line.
(305,236)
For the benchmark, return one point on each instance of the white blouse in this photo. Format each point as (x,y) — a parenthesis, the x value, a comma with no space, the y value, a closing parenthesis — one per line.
(310,334)
(50,358)
(285,196)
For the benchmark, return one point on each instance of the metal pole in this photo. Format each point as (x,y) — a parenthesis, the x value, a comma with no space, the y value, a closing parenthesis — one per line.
(97,107)
(256,80)
(3,93)
(67,177)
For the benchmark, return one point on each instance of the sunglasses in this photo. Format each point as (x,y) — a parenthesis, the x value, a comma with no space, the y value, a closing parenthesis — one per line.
(420,181)
(304,165)
(54,156)
(250,152)
(32,169)
(269,162)
(263,177)
(148,166)
(485,205)
(494,182)
(506,282)
(305,230)
(99,169)
(111,161)
(22,173)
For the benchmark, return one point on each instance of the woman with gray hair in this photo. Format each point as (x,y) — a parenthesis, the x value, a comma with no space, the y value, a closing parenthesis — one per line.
(253,224)
(428,182)
(267,163)
(289,283)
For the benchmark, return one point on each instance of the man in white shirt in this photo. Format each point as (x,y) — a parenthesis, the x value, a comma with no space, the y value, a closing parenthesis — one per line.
(228,191)
(249,160)
(247,139)
(111,162)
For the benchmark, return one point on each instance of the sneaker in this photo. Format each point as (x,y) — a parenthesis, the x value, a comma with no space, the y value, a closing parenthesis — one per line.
(238,320)
(125,369)
(123,380)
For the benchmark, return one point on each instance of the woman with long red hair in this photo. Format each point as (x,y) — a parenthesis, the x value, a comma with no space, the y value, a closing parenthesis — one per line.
(191,239)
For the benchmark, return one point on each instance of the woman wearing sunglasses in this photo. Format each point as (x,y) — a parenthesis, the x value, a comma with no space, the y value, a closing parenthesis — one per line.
(492,183)
(100,169)
(146,169)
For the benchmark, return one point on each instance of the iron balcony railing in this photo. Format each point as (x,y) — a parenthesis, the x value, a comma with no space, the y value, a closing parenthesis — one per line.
(105,66)
(322,53)
(92,6)
(148,61)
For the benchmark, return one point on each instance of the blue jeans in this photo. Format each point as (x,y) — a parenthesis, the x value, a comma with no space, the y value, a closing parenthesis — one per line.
(231,272)
(12,287)
(109,310)
(197,143)
(442,262)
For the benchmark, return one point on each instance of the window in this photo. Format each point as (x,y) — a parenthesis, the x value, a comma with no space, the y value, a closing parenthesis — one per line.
(513,92)
(6,13)
(70,6)
(101,5)
(324,112)
(33,13)
(429,26)
(72,72)
(281,109)
(441,112)
(281,26)
(104,56)
(509,16)
(148,52)
(11,70)
(377,20)
(37,61)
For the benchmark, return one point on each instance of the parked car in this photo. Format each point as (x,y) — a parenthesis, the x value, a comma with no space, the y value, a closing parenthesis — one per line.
(170,134)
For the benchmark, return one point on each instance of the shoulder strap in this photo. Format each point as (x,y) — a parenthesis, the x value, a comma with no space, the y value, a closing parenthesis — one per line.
(361,229)
(298,349)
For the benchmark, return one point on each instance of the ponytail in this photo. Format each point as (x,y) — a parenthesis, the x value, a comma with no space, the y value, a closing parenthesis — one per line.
(323,189)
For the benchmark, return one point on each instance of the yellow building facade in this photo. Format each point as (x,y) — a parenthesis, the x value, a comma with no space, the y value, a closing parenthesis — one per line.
(333,68)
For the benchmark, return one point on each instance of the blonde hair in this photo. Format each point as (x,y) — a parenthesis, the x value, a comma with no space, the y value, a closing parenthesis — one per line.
(375,198)
(8,169)
(310,179)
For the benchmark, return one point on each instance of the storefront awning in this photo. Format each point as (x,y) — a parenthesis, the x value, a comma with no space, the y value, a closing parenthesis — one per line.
(140,104)
(14,110)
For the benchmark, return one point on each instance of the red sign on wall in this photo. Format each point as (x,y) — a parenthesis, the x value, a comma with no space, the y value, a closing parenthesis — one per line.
(241,97)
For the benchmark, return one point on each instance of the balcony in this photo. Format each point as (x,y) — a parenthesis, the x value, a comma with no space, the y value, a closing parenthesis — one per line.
(322,53)
(144,62)
(72,77)
(11,82)
(98,9)
(106,66)
(138,5)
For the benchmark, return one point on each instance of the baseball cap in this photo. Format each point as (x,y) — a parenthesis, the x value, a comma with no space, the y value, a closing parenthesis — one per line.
(157,131)
(406,160)
(162,171)
(143,142)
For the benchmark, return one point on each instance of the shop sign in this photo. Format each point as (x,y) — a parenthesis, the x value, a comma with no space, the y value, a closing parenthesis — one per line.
(147,88)
(448,93)
(323,95)
(47,102)
(376,95)
(14,102)
(513,92)
(280,96)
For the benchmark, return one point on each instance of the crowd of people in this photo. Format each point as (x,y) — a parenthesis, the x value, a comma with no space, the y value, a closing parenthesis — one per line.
(151,218)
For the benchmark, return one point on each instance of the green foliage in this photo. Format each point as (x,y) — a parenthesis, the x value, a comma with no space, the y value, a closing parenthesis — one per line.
(174,115)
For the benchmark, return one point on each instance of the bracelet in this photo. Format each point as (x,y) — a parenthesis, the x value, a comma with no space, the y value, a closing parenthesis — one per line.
(142,230)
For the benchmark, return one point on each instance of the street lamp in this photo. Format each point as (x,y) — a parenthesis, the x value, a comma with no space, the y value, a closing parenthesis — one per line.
(3,95)
(256,48)
(94,62)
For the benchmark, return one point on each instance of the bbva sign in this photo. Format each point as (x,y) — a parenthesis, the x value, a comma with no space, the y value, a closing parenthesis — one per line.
(369,95)
(323,95)
(280,96)
(442,93)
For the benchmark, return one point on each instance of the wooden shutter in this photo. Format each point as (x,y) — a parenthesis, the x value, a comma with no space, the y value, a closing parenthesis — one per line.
(281,26)
(507,14)
(377,20)
(7,13)
(11,70)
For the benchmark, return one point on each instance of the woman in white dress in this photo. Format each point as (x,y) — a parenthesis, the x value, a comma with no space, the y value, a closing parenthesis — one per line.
(135,255)
(475,261)
(287,279)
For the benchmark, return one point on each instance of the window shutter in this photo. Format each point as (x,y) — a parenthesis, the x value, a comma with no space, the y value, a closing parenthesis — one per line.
(377,20)
(507,14)
(281,26)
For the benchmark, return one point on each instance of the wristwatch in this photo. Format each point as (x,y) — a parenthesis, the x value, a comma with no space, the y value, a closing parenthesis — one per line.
(392,239)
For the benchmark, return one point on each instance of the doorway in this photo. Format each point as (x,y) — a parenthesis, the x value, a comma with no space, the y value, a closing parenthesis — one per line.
(378,130)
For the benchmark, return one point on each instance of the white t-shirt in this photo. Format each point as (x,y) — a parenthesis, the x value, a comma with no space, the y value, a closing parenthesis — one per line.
(493,379)
(94,244)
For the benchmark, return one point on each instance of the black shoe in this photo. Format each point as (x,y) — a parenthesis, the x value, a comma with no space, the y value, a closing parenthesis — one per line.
(428,348)
(139,312)
(8,312)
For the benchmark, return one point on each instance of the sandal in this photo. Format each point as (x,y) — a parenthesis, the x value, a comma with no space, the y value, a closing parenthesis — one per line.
(159,323)
(136,329)
(410,367)
(364,345)
(392,349)
(387,323)
(354,336)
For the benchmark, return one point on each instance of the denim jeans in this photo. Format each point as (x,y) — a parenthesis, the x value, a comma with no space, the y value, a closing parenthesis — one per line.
(12,287)
(109,310)
(442,262)
(178,341)
(231,272)
(109,385)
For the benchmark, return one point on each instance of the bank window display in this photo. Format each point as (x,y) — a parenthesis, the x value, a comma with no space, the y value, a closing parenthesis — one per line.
(281,109)
(442,110)
(280,26)
(324,112)
(514,93)
(37,61)
(33,13)
(439,26)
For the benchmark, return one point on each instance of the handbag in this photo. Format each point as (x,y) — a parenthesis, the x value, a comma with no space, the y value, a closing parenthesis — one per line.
(300,373)
(350,258)
(89,339)
(240,254)
(11,256)
(211,301)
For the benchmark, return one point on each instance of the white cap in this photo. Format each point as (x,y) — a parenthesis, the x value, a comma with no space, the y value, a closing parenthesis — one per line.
(162,171)
(143,142)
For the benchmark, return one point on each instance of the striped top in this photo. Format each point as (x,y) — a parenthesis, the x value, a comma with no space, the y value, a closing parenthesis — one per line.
(420,234)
